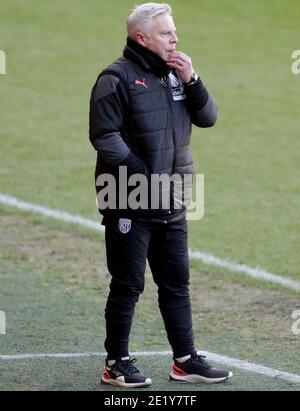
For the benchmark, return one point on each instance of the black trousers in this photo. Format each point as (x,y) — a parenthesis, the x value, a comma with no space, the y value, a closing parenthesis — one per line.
(166,248)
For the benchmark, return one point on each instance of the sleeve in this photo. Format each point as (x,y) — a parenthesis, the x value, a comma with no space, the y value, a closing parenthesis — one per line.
(107,110)
(201,105)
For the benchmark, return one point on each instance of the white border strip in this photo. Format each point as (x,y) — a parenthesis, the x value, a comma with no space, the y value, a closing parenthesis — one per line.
(205,258)
(220,359)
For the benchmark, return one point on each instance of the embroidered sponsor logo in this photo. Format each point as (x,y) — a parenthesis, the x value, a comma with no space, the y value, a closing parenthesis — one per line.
(124,225)
(141,83)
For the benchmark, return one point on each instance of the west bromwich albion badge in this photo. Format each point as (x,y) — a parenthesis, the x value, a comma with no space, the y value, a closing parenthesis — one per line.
(124,225)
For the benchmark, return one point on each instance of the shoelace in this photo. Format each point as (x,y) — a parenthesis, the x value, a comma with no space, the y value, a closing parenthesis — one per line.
(201,359)
(128,366)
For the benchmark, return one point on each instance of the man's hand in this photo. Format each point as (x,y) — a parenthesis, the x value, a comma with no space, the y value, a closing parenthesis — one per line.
(182,63)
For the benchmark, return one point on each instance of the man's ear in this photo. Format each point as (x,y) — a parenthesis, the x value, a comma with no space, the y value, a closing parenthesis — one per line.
(140,38)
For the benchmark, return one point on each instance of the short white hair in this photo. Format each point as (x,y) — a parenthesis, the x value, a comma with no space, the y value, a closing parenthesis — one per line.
(141,17)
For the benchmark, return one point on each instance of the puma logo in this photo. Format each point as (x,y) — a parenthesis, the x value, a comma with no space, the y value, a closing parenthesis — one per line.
(141,83)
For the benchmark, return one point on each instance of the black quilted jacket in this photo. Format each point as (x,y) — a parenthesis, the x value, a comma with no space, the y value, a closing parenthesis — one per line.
(141,117)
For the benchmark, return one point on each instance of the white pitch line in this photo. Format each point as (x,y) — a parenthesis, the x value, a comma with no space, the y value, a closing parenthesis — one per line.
(49,356)
(49,212)
(254,368)
(205,258)
(257,273)
(219,359)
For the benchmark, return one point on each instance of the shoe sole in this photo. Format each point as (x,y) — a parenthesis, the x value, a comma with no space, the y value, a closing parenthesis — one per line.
(118,383)
(194,378)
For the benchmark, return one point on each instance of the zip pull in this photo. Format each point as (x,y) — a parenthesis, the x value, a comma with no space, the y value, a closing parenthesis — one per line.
(163,81)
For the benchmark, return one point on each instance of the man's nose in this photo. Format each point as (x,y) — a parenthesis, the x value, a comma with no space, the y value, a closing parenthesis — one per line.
(174,39)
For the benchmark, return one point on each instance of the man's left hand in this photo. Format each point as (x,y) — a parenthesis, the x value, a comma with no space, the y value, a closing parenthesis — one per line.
(183,64)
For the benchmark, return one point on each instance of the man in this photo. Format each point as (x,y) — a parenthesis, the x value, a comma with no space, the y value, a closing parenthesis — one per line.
(141,112)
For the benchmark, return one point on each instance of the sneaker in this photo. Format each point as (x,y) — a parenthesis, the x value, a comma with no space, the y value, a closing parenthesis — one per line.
(196,369)
(124,374)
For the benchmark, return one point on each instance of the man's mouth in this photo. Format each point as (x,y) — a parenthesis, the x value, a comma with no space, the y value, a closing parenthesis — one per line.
(170,52)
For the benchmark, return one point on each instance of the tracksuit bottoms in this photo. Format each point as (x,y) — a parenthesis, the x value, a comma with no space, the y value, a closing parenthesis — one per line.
(128,246)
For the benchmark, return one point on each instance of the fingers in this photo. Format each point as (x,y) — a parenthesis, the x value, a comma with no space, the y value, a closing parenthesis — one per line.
(180,57)
(176,62)
(179,61)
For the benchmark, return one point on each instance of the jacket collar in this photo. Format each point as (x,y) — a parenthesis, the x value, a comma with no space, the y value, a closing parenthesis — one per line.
(146,58)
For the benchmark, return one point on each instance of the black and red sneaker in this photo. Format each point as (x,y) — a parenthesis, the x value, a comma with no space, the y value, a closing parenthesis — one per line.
(124,374)
(197,370)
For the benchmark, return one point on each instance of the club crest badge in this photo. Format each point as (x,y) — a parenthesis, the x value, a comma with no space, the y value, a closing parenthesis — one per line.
(174,80)
(177,88)
(124,225)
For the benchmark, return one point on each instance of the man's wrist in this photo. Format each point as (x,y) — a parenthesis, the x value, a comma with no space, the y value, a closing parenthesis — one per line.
(194,79)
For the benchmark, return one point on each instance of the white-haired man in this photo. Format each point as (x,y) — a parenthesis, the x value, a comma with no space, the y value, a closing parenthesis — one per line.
(141,111)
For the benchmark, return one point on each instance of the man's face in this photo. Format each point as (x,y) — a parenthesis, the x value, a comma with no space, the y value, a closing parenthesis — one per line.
(161,37)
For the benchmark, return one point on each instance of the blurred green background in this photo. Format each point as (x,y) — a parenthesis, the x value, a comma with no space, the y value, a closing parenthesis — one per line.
(242,50)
